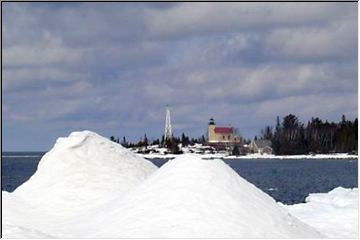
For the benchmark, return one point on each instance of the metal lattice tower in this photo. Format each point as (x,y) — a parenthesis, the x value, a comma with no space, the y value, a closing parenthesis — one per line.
(168,129)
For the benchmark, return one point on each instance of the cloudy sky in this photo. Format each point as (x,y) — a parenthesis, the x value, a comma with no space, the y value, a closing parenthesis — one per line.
(113,67)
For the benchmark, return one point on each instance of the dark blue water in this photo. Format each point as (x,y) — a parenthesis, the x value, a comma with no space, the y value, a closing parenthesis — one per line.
(287,181)
(17,167)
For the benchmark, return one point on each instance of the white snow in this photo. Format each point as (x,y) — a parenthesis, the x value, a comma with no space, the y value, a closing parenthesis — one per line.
(90,187)
(81,171)
(193,198)
(21,232)
(315,156)
(335,213)
(337,156)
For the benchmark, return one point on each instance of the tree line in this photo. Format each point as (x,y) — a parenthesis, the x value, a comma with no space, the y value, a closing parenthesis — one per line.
(171,144)
(290,136)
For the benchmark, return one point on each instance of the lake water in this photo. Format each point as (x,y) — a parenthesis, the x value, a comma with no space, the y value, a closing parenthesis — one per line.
(287,181)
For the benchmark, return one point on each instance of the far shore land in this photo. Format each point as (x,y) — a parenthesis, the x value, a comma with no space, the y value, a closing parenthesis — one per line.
(225,156)
(157,152)
(338,156)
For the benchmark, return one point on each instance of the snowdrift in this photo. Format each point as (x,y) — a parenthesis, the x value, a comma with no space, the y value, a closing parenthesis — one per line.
(334,213)
(81,171)
(193,198)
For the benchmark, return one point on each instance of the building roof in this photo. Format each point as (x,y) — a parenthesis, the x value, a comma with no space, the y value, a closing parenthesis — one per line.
(223,130)
(262,143)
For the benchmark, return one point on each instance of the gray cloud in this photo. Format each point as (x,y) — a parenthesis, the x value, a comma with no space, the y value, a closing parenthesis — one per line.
(112,67)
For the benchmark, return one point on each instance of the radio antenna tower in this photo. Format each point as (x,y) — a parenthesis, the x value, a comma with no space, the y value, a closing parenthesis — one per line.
(168,130)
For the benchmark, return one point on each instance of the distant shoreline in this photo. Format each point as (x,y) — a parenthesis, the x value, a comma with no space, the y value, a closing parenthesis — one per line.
(338,156)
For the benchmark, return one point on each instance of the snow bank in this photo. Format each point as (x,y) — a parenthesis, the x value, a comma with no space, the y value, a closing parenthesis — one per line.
(193,198)
(334,214)
(81,171)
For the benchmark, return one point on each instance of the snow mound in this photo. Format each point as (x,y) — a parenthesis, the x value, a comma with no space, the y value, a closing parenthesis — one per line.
(81,171)
(193,198)
(334,213)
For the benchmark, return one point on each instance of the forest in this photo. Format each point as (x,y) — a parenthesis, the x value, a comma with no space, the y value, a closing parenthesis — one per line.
(290,136)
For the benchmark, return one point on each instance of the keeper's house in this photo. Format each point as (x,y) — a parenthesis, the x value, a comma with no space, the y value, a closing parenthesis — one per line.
(221,134)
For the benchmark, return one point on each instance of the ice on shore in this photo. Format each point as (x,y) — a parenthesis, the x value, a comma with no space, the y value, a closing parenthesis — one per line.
(335,213)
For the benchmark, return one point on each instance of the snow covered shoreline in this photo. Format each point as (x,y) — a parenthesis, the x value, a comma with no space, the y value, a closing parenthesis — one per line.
(207,152)
(89,187)
(338,156)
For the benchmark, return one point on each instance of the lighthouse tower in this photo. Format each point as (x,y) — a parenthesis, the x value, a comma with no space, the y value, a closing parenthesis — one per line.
(168,129)
(211,130)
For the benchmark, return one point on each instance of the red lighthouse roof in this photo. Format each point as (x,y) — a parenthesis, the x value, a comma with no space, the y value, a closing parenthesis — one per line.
(223,129)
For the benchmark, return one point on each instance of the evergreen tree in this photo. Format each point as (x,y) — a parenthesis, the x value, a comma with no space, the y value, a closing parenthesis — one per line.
(156,142)
(124,143)
(267,133)
(236,151)
(184,140)
(202,140)
(145,141)
(163,141)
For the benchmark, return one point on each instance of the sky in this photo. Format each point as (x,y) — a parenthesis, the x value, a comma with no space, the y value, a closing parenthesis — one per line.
(113,67)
